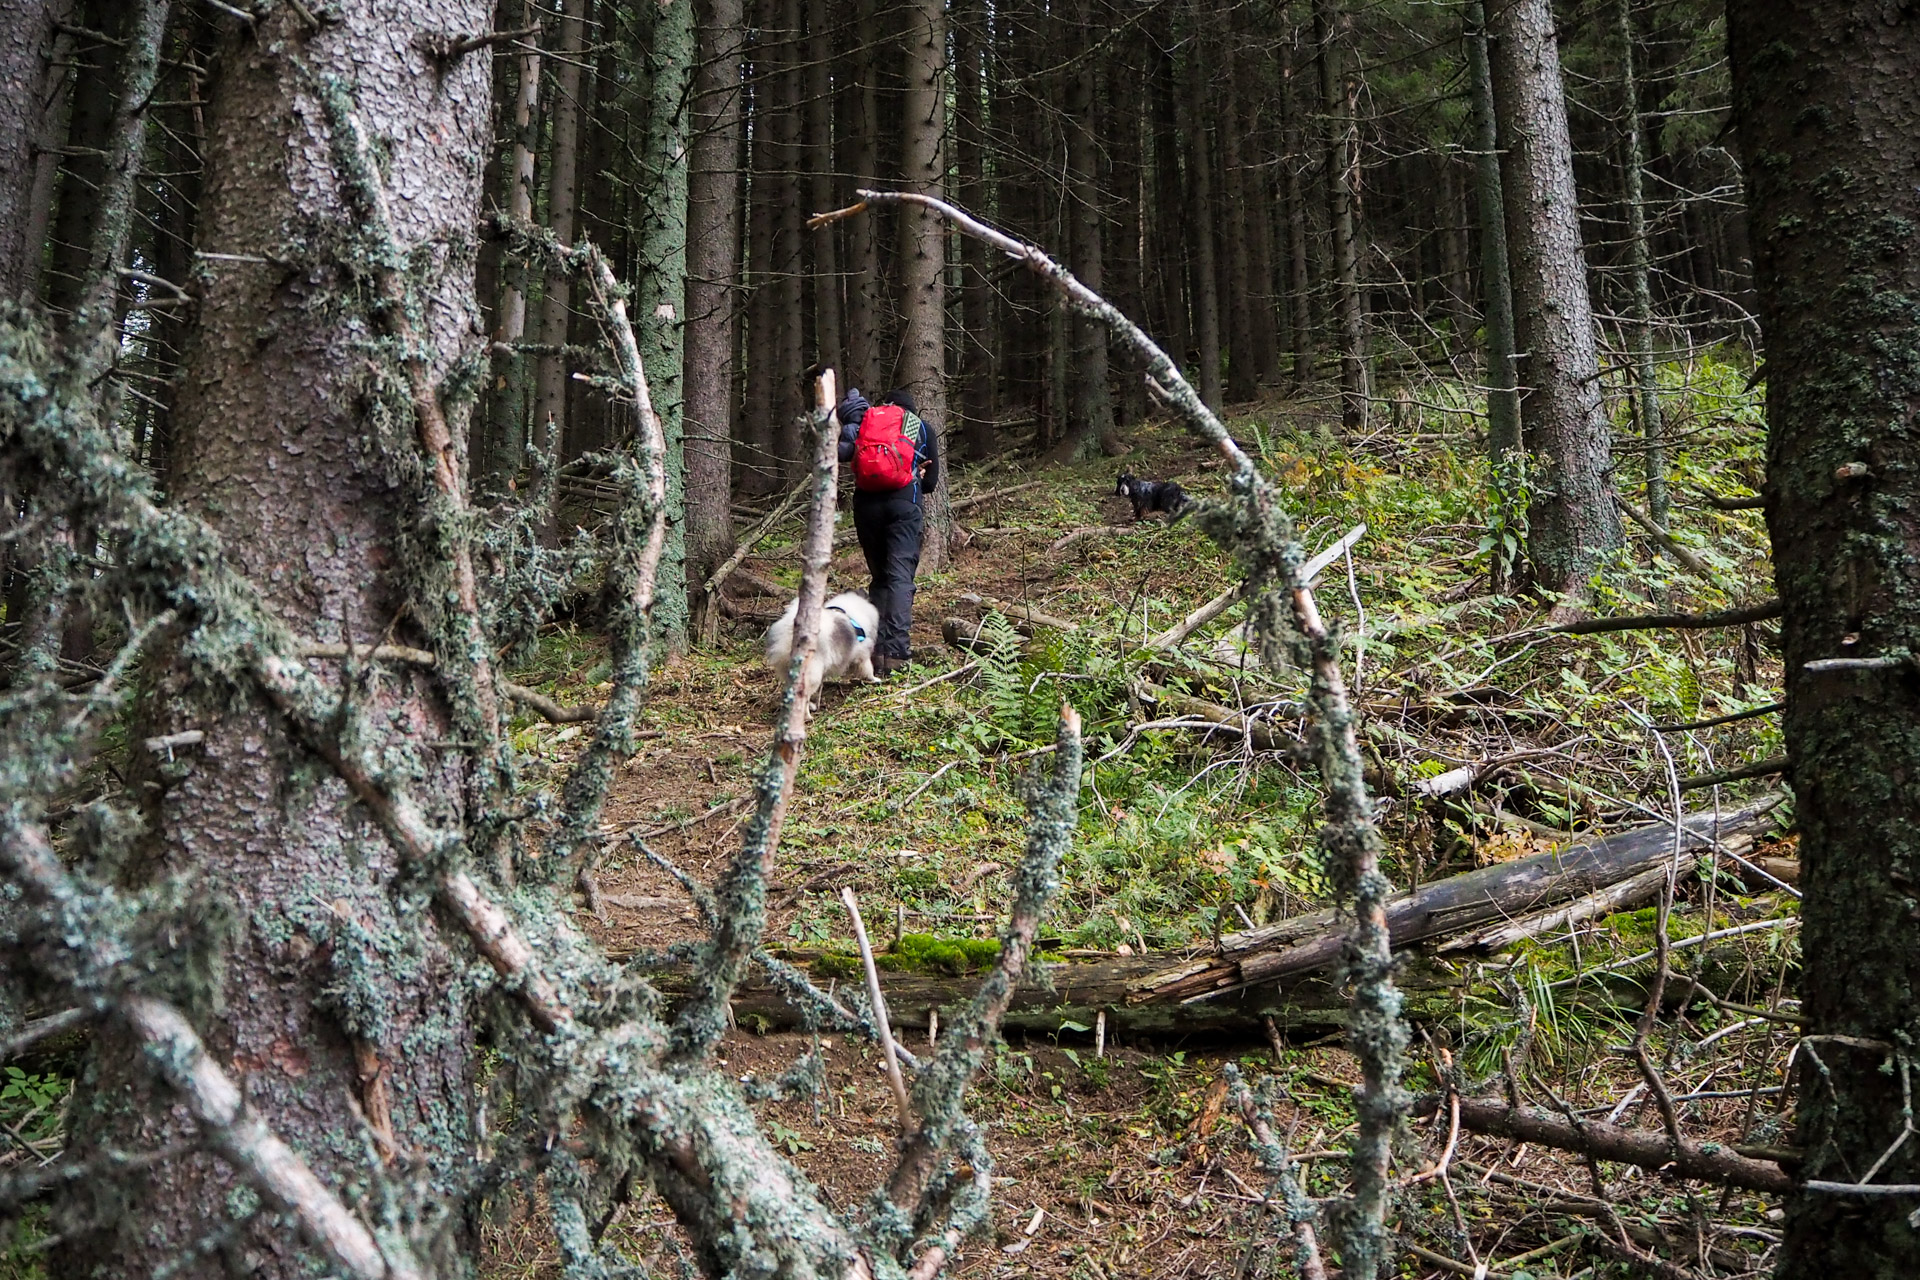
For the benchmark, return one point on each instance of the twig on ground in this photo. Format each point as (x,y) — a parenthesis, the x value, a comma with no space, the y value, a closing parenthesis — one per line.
(1762,612)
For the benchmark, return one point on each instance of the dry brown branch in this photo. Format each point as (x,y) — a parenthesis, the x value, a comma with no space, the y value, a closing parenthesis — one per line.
(1762,612)
(878,1002)
(1706,1161)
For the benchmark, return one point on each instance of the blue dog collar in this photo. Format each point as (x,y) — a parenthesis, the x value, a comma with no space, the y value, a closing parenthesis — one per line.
(859,632)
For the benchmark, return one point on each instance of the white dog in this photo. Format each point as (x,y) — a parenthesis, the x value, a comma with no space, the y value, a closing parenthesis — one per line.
(848,627)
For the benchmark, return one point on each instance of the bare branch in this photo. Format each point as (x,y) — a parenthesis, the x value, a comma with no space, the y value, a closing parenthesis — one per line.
(878,1001)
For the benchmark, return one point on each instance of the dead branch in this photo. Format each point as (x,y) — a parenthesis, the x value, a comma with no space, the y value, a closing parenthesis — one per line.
(1749,714)
(1759,769)
(1667,542)
(878,1002)
(963,504)
(534,700)
(1709,1162)
(1761,612)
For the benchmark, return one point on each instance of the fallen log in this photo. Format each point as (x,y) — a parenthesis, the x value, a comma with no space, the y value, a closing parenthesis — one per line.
(1074,993)
(1024,617)
(1707,1161)
(975,500)
(1459,903)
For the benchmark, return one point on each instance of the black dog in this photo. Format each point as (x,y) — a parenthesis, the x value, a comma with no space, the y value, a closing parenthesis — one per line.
(1152,495)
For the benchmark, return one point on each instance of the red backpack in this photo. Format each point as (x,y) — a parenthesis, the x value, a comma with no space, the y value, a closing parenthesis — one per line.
(883,453)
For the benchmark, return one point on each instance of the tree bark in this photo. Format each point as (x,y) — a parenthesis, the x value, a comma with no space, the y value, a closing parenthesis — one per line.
(663,291)
(1827,96)
(27,35)
(1640,269)
(336,996)
(507,405)
(1571,522)
(973,106)
(563,194)
(829,344)
(1338,93)
(1243,382)
(713,269)
(788,337)
(1167,219)
(1200,231)
(1090,407)
(754,440)
(923,249)
(1299,268)
(866,322)
(1504,447)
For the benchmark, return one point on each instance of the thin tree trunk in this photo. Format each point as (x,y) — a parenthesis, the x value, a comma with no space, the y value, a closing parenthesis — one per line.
(563,194)
(1453,258)
(1123,126)
(977,365)
(1169,199)
(713,267)
(663,290)
(334,996)
(1256,198)
(1090,408)
(788,338)
(507,408)
(866,325)
(1243,382)
(1824,95)
(1572,523)
(1504,447)
(828,337)
(1206,281)
(923,254)
(1299,267)
(1640,333)
(1338,91)
(754,439)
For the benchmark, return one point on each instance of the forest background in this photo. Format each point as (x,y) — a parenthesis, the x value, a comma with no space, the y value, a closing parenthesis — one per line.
(379,374)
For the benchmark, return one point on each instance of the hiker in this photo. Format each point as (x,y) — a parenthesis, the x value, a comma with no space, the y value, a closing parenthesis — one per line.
(891,450)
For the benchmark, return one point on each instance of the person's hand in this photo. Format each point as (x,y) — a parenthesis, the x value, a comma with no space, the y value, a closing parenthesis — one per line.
(853,406)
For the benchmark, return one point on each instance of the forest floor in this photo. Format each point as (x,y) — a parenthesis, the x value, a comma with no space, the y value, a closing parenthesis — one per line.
(1126,1164)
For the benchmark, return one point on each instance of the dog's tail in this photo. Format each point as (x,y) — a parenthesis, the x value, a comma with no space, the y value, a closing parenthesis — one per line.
(1180,510)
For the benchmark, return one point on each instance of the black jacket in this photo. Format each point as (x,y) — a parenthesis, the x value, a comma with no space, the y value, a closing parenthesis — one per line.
(926,451)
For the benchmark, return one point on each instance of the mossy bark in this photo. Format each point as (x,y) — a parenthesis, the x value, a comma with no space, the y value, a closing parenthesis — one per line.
(26,46)
(337,997)
(923,249)
(1827,97)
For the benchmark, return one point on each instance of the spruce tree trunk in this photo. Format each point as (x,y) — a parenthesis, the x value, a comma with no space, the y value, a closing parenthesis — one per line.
(829,344)
(1243,382)
(1827,96)
(1299,268)
(1123,119)
(978,368)
(1200,231)
(1169,219)
(866,326)
(563,195)
(1090,408)
(922,367)
(1640,269)
(754,439)
(1338,92)
(337,996)
(788,335)
(27,36)
(1504,448)
(507,405)
(1572,524)
(663,293)
(1256,197)
(713,268)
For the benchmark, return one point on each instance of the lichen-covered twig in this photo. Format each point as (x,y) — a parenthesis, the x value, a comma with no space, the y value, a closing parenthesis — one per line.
(742,892)
(1278,1164)
(1256,528)
(939,1093)
(175,1053)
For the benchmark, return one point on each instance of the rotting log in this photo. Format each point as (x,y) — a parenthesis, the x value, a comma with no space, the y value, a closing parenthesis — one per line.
(1078,991)
(1452,906)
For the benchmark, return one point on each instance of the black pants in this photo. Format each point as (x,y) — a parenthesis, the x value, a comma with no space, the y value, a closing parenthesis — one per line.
(890,526)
